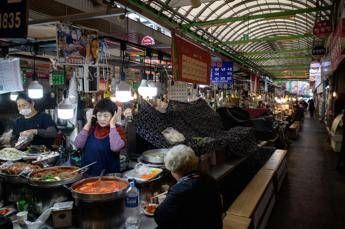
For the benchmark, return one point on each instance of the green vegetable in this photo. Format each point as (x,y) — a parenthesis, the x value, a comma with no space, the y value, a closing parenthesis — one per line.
(50,178)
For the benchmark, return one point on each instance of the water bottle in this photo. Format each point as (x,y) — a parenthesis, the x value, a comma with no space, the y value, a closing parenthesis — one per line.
(132,207)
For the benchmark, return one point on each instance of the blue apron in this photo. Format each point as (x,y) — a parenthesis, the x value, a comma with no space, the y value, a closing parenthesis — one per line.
(99,150)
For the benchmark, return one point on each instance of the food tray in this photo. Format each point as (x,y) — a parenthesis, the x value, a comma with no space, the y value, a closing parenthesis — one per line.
(48,184)
(11,154)
(133,174)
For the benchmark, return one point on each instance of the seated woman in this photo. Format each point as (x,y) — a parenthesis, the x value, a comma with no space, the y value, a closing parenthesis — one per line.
(100,140)
(35,125)
(194,201)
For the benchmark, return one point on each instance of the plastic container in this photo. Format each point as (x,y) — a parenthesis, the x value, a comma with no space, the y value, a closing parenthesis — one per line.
(62,214)
(132,209)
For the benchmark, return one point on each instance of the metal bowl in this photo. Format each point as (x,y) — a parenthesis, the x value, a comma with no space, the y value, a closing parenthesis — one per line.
(50,184)
(88,197)
(154,156)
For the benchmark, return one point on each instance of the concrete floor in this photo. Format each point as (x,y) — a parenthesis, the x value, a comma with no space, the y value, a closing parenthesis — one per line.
(313,194)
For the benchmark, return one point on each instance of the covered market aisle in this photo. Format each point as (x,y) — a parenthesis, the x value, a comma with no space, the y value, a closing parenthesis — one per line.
(313,195)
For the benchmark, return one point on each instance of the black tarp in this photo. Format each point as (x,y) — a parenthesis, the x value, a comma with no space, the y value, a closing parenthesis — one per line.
(201,126)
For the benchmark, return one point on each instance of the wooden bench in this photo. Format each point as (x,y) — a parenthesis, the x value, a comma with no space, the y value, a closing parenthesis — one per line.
(294,129)
(278,164)
(256,201)
(235,222)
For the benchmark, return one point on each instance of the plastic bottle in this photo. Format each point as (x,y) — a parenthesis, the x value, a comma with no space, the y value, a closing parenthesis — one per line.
(132,207)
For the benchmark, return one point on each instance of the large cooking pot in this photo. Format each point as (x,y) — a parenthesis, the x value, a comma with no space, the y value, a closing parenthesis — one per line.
(96,197)
(101,210)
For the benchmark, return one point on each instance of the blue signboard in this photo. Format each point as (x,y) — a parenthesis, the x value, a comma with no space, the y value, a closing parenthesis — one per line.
(222,73)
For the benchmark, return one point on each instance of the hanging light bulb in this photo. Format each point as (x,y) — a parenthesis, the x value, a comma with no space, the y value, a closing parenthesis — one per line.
(35,90)
(123,92)
(334,94)
(143,89)
(135,96)
(113,98)
(13,96)
(153,90)
(65,109)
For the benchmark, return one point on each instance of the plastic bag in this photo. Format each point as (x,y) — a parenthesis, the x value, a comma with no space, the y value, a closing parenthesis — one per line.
(173,136)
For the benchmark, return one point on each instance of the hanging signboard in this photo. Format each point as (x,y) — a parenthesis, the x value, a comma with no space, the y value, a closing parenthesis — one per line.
(13,19)
(254,81)
(58,78)
(10,78)
(325,67)
(322,29)
(318,51)
(191,63)
(222,72)
(77,45)
(147,41)
(336,46)
(315,72)
(298,87)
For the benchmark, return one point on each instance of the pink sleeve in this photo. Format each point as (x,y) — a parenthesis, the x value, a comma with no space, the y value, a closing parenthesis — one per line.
(116,142)
(81,138)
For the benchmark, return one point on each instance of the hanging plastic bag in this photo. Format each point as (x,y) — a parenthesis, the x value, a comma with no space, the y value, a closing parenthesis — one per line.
(173,136)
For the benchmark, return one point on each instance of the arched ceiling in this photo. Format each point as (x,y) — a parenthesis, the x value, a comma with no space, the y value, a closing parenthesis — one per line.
(276,30)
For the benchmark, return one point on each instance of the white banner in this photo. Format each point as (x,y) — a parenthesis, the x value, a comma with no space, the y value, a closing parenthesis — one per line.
(10,78)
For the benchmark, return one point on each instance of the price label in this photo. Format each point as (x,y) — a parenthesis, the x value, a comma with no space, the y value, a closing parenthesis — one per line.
(13,18)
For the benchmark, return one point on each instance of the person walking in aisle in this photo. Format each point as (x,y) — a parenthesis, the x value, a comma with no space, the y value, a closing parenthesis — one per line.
(311,108)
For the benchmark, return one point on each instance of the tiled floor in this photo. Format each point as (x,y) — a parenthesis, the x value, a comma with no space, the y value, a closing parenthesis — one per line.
(313,195)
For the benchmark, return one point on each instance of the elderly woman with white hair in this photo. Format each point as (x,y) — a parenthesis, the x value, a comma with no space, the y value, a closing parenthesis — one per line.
(194,201)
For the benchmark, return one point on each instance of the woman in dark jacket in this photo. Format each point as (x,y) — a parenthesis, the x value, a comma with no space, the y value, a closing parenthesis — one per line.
(194,201)
(311,108)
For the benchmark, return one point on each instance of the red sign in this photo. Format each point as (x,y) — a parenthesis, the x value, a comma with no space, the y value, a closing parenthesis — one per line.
(336,46)
(147,40)
(191,63)
(254,82)
(322,29)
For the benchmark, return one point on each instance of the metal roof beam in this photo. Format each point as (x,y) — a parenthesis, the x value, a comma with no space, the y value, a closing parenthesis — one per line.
(155,15)
(289,70)
(275,52)
(281,58)
(286,66)
(289,73)
(268,39)
(293,77)
(275,15)
(81,16)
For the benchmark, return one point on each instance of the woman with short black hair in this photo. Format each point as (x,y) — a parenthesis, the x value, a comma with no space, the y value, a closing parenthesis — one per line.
(101,140)
(34,125)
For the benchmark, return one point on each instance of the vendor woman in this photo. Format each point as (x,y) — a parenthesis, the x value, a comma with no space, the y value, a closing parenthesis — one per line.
(34,125)
(100,140)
